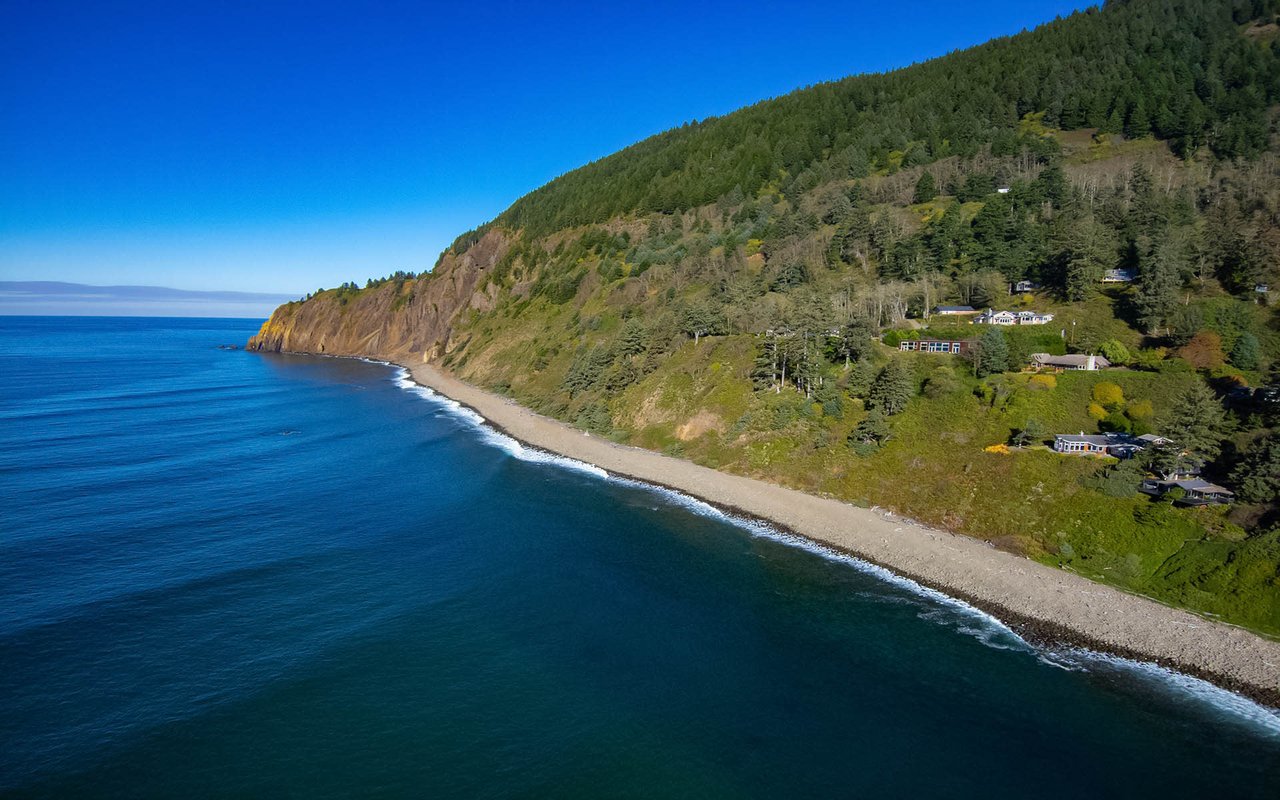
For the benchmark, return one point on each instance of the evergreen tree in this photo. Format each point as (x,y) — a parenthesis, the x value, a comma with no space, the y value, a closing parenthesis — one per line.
(871,432)
(1196,426)
(1246,352)
(634,339)
(1031,433)
(1158,288)
(854,340)
(1090,254)
(893,388)
(862,377)
(698,319)
(993,353)
(1257,477)
(926,188)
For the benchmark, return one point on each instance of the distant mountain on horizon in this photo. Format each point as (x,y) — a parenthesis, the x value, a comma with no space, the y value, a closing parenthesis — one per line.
(61,298)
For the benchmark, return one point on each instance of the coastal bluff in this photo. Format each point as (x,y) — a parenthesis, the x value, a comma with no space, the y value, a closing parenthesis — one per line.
(1042,603)
(412,318)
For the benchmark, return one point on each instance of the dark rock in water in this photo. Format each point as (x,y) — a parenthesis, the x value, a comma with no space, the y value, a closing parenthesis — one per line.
(228,347)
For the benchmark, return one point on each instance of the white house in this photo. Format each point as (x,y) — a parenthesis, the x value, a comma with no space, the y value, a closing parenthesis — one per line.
(1034,318)
(1071,362)
(993,317)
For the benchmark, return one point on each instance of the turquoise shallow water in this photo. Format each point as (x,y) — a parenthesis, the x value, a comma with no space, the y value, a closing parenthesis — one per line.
(229,574)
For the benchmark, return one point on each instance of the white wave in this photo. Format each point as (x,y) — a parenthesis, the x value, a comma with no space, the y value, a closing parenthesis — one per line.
(964,617)
(490,434)
(1184,686)
(678,498)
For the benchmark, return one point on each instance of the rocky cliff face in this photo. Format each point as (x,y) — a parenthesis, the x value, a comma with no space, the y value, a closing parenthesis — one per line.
(406,321)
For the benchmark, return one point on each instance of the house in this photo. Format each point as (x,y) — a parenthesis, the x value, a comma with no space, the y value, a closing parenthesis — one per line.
(1077,361)
(955,311)
(1261,288)
(1196,491)
(1082,443)
(1117,445)
(1022,287)
(1002,190)
(1034,318)
(993,317)
(952,346)
(1118,276)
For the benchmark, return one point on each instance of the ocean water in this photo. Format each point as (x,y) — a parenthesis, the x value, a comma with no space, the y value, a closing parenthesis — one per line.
(228,574)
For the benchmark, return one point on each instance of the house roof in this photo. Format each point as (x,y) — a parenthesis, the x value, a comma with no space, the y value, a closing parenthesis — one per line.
(1099,439)
(1201,485)
(1074,360)
(955,308)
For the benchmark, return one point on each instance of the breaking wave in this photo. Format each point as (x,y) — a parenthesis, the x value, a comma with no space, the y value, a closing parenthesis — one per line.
(936,606)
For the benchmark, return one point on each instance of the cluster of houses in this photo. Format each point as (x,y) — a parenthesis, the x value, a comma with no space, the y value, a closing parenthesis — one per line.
(1040,362)
(1195,490)
(993,317)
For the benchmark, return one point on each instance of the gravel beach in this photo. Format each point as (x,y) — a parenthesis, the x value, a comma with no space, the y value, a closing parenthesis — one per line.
(1040,602)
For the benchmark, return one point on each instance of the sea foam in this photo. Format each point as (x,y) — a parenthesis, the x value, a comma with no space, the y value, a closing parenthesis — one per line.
(492,435)
(938,607)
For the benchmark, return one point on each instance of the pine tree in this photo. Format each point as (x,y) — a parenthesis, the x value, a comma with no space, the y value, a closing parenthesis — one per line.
(854,340)
(893,388)
(1090,254)
(926,188)
(1158,288)
(1257,477)
(1196,427)
(871,432)
(993,353)
(1246,352)
(1032,432)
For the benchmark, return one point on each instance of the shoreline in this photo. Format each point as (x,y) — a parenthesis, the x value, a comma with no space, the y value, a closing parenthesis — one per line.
(1045,606)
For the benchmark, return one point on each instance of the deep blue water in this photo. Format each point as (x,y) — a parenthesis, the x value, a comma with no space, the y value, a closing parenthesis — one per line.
(233,574)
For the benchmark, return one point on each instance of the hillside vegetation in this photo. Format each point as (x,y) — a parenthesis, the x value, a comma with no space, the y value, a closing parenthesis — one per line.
(733,292)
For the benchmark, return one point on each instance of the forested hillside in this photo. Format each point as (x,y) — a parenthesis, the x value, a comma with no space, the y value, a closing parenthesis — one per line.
(735,292)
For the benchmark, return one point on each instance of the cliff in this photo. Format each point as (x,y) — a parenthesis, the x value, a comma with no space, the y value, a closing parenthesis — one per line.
(408,320)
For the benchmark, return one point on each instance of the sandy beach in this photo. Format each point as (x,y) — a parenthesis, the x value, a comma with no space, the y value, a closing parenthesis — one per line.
(1042,603)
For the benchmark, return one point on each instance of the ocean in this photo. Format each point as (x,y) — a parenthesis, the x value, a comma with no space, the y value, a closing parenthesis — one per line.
(230,574)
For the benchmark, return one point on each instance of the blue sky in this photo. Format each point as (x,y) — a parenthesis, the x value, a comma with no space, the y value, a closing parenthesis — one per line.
(280,147)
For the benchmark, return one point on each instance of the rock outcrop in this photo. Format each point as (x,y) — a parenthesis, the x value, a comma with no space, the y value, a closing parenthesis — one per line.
(407,320)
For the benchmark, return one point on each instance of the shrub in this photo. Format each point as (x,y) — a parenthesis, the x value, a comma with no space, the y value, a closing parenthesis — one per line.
(1108,394)
(1115,421)
(1115,352)
(1149,358)
(1097,412)
(1140,409)
(1042,382)
(1204,351)
(941,381)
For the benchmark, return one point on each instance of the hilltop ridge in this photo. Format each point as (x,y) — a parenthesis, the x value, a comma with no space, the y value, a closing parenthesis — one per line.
(735,292)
